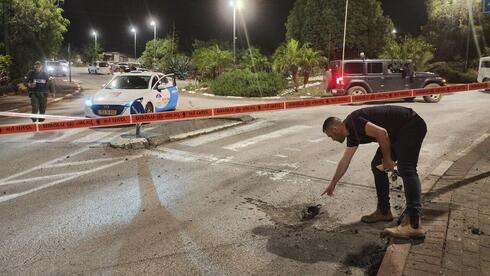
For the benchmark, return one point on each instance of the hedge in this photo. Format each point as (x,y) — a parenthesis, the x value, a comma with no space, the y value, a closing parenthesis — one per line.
(244,83)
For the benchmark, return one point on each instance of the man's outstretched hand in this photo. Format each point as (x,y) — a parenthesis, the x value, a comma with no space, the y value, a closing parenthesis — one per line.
(329,190)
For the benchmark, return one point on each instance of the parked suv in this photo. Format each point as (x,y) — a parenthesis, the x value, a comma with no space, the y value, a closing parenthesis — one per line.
(364,76)
(484,69)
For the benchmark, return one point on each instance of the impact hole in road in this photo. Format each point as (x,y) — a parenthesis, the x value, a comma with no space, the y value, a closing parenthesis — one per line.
(310,212)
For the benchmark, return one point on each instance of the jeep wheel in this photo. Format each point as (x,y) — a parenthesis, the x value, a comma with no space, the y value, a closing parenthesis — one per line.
(356,90)
(434,98)
(411,99)
(149,108)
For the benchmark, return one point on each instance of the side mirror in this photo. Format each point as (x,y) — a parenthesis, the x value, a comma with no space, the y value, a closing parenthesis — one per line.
(161,87)
(174,81)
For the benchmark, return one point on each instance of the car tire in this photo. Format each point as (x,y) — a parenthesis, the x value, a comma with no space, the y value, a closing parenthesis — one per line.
(435,98)
(356,90)
(411,99)
(149,108)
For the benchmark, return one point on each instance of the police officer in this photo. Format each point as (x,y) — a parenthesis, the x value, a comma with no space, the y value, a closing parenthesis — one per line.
(39,85)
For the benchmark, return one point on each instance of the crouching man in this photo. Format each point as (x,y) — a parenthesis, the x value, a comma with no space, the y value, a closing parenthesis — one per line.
(399,131)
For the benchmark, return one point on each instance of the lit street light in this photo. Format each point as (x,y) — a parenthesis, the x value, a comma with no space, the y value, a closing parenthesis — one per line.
(94,33)
(235,4)
(133,30)
(154,24)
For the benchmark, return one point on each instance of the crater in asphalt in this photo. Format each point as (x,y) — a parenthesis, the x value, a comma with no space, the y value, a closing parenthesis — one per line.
(310,212)
(356,246)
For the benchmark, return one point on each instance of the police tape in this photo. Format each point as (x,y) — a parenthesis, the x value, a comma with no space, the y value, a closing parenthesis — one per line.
(222,111)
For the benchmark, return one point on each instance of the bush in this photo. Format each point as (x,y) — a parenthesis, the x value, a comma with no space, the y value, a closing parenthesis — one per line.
(244,83)
(453,72)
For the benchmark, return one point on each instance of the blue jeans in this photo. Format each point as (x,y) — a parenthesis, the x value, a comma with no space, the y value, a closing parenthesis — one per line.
(406,152)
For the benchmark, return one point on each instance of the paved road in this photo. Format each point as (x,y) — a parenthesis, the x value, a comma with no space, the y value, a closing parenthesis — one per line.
(220,204)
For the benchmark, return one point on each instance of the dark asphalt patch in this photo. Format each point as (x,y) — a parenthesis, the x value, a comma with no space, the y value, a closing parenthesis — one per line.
(369,258)
(310,212)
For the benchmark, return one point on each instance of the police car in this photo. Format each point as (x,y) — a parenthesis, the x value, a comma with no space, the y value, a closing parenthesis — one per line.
(134,93)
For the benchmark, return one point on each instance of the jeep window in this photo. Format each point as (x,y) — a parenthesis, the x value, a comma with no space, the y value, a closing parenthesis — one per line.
(485,64)
(375,68)
(393,68)
(354,68)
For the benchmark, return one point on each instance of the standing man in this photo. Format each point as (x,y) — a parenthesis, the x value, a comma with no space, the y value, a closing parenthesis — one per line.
(38,88)
(399,131)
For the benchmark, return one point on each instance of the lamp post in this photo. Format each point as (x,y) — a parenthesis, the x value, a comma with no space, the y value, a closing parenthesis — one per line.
(94,34)
(345,32)
(154,24)
(133,30)
(235,4)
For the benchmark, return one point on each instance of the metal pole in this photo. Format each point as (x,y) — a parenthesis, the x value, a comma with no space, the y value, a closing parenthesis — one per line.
(154,45)
(95,47)
(69,62)
(134,45)
(345,32)
(234,32)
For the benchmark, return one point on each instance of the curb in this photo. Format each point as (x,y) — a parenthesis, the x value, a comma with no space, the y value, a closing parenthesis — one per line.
(50,101)
(396,255)
(152,141)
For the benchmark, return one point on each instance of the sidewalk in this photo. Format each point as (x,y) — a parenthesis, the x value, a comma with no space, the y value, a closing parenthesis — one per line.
(22,103)
(457,219)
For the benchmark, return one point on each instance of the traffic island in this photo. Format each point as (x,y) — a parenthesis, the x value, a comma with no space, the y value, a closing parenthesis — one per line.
(154,135)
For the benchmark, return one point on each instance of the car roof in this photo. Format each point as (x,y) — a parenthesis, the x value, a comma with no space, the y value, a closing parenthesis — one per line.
(146,73)
(485,58)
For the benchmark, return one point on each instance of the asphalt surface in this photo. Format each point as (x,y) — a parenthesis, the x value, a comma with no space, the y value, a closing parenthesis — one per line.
(227,203)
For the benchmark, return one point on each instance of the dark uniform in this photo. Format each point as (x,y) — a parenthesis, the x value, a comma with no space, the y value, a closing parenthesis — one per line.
(38,92)
(406,130)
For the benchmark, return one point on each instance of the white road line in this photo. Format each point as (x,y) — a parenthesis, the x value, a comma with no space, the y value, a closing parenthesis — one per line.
(316,140)
(474,144)
(202,131)
(226,133)
(44,164)
(292,149)
(81,163)
(184,156)
(67,134)
(13,196)
(93,137)
(281,156)
(38,178)
(265,137)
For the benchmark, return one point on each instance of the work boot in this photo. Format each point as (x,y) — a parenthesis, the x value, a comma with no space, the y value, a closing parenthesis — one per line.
(378,216)
(409,228)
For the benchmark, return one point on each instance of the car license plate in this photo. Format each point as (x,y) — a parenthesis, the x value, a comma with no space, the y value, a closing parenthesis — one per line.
(108,112)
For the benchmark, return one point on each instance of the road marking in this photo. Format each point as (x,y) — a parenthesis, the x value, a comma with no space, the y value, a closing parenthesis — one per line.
(316,140)
(281,156)
(37,178)
(226,133)
(65,135)
(474,144)
(292,149)
(93,137)
(185,156)
(80,163)
(203,131)
(265,137)
(44,165)
(442,168)
(42,187)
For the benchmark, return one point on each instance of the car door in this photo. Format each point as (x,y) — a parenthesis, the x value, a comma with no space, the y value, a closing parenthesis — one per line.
(375,76)
(162,96)
(394,79)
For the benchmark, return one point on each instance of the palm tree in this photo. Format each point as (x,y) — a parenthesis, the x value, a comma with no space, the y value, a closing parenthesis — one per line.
(287,58)
(309,58)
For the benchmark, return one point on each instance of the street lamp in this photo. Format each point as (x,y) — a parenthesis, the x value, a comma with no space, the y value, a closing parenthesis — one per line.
(154,24)
(345,32)
(133,30)
(235,4)
(94,33)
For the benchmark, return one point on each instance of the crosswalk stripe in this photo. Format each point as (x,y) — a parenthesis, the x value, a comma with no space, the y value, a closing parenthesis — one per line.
(226,133)
(255,140)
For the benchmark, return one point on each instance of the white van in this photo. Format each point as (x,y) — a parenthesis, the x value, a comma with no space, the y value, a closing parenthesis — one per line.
(99,67)
(484,70)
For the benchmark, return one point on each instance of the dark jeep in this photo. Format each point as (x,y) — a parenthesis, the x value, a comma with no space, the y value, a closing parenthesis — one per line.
(364,76)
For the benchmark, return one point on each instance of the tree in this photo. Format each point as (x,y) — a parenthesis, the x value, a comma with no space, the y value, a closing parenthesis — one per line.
(321,24)
(417,49)
(309,58)
(36,31)
(253,60)
(211,61)
(165,48)
(89,53)
(448,27)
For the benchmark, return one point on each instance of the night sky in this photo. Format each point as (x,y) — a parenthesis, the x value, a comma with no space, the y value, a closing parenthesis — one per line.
(200,19)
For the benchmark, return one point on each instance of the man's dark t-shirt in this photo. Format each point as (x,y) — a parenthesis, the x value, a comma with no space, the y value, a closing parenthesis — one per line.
(391,118)
(41,79)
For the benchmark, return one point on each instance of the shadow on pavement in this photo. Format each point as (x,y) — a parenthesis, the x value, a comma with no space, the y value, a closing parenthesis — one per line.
(435,193)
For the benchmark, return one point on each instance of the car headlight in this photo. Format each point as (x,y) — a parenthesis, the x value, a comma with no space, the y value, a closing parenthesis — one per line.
(128,104)
(50,68)
(88,102)
(64,69)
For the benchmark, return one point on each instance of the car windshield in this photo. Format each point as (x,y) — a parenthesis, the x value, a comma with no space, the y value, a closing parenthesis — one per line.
(129,82)
(53,63)
(103,64)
